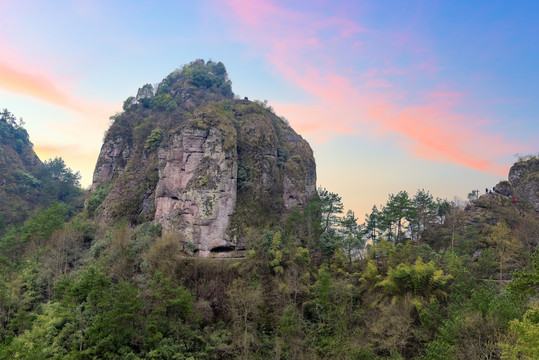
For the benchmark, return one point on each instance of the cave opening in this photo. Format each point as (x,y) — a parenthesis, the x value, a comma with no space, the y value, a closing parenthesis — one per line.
(222,249)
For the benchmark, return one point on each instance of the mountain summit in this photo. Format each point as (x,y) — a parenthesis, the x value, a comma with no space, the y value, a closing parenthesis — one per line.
(205,165)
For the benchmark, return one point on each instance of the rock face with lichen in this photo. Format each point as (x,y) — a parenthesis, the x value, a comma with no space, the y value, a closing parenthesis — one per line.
(204,165)
(524,180)
(196,191)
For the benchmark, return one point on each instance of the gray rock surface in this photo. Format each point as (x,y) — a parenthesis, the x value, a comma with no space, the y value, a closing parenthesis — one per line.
(524,179)
(208,168)
(196,192)
(112,159)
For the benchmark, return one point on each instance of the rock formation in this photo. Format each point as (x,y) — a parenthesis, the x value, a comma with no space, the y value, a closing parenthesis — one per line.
(205,166)
(196,191)
(524,180)
(522,185)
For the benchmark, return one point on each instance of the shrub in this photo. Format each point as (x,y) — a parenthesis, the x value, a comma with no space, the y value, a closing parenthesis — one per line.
(154,140)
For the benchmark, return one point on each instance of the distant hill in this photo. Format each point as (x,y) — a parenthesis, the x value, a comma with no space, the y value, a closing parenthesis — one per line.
(26,183)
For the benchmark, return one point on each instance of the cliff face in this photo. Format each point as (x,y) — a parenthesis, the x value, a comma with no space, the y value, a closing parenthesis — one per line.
(205,166)
(196,191)
(524,179)
(522,184)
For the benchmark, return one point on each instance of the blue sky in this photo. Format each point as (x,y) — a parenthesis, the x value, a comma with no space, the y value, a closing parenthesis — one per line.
(391,95)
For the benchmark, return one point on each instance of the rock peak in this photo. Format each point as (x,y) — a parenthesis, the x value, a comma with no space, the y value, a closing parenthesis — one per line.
(204,165)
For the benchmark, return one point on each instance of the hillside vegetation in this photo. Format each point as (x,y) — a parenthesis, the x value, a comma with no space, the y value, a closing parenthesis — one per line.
(26,183)
(456,285)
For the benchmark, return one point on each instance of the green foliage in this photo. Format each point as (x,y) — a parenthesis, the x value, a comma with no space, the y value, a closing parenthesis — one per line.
(172,302)
(39,228)
(526,282)
(506,247)
(525,338)
(163,102)
(276,254)
(96,199)
(209,75)
(128,102)
(59,181)
(145,95)
(307,288)
(27,180)
(154,140)
(12,132)
(420,279)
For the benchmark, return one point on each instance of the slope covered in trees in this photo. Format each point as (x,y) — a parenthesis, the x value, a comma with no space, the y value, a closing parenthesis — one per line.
(26,183)
(312,289)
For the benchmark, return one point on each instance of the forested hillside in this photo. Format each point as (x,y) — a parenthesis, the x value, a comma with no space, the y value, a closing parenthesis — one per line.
(26,183)
(441,281)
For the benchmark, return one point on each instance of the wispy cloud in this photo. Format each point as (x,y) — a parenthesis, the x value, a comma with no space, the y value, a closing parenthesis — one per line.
(77,139)
(306,49)
(34,77)
(39,87)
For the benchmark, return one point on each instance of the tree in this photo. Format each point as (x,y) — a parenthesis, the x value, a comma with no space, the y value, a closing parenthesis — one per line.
(526,282)
(59,181)
(245,299)
(455,219)
(372,223)
(422,214)
(352,241)
(420,279)
(524,343)
(330,208)
(507,248)
(443,207)
(128,102)
(145,94)
(473,195)
(397,209)
(154,140)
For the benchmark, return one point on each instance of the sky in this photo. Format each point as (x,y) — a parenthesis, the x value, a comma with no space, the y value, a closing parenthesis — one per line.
(391,95)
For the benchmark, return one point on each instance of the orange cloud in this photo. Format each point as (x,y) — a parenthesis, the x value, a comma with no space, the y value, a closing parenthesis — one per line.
(77,141)
(39,87)
(431,129)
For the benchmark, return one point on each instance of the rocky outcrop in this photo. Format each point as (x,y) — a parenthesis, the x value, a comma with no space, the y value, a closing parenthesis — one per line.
(207,167)
(196,192)
(112,159)
(299,182)
(503,188)
(524,179)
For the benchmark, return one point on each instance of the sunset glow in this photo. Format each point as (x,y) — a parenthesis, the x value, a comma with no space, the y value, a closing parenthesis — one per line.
(387,81)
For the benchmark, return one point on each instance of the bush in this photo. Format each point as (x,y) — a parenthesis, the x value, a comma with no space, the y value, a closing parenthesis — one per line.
(154,140)
(97,198)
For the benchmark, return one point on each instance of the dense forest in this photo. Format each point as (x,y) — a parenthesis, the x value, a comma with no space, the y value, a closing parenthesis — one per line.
(418,278)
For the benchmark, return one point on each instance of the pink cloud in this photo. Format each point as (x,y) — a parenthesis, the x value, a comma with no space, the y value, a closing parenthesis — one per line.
(431,129)
(444,98)
(430,67)
(37,86)
(377,83)
(24,75)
